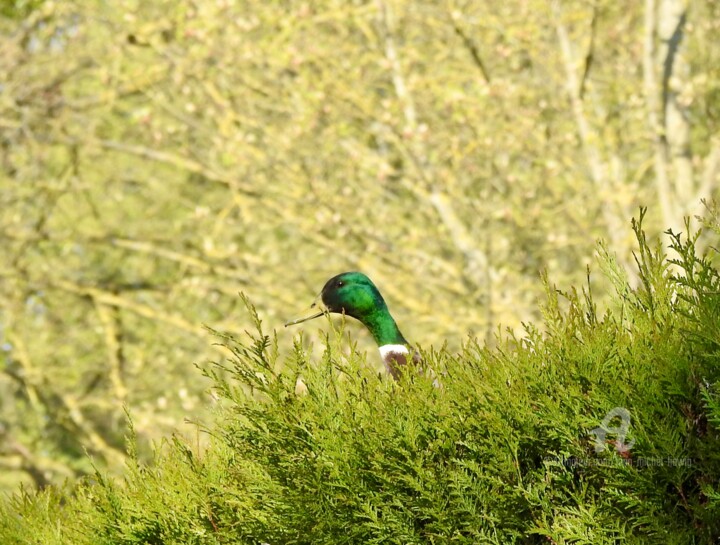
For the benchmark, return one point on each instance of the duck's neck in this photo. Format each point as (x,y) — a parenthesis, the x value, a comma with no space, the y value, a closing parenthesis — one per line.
(383,328)
(391,343)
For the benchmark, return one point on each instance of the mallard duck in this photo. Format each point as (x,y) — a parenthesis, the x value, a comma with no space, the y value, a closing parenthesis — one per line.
(355,295)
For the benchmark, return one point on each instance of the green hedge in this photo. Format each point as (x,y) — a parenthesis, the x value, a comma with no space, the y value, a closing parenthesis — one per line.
(503,451)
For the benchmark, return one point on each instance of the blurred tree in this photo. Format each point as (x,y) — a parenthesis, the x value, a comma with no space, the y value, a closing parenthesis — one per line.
(157,158)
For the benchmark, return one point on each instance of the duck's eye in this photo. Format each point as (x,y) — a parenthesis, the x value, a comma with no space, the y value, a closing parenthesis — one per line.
(340,284)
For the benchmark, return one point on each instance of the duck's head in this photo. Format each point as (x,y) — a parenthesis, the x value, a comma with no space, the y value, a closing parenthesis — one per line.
(351,293)
(354,294)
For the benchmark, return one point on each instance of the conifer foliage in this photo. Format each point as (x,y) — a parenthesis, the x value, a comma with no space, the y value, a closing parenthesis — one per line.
(592,428)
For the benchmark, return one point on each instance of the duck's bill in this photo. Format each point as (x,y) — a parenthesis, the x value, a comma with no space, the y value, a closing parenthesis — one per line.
(305,318)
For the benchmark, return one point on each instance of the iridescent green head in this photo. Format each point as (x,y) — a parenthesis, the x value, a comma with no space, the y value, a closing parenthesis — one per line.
(354,294)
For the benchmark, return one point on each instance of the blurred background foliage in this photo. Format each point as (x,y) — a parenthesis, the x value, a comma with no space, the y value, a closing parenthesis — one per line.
(156,158)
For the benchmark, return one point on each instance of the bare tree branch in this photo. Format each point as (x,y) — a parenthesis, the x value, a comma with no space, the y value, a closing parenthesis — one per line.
(588,137)
(672,17)
(386,26)
(652,94)
(471,46)
(112,299)
(63,409)
(476,261)
(113,339)
(177,161)
(184,259)
(590,55)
